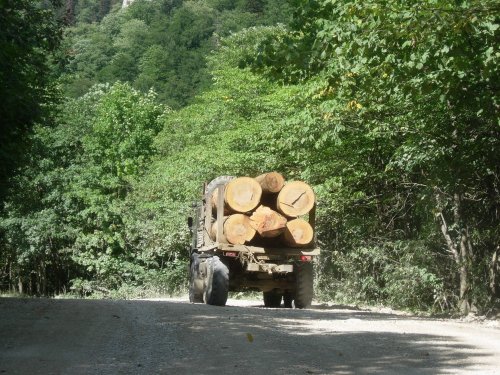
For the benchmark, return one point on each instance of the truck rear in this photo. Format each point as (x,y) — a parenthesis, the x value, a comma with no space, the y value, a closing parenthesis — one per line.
(264,246)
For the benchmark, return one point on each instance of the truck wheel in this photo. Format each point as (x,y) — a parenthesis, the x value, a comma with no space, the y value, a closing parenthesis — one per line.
(195,282)
(304,278)
(272,299)
(217,282)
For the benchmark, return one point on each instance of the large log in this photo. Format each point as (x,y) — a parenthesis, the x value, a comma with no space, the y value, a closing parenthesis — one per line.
(267,222)
(298,233)
(237,229)
(271,182)
(243,194)
(295,199)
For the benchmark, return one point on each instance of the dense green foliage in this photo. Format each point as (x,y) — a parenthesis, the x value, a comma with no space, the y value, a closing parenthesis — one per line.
(65,216)
(28,34)
(389,109)
(402,137)
(78,215)
(159,44)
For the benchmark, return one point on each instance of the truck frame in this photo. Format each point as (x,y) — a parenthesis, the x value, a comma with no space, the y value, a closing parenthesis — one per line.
(217,267)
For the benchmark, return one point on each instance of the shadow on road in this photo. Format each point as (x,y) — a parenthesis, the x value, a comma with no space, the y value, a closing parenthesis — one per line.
(163,337)
(338,342)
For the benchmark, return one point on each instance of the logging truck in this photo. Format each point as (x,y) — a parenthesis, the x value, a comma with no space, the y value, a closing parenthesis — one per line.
(253,234)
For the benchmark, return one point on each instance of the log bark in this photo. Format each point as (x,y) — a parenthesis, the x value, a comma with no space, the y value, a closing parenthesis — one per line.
(243,194)
(295,199)
(271,182)
(298,233)
(237,229)
(267,222)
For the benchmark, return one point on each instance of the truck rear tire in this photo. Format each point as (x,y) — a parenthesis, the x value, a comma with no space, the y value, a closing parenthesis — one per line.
(217,282)
(195,282)
(272,299)
(304,278)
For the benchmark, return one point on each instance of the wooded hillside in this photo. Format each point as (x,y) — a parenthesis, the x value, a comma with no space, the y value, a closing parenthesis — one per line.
(389,109)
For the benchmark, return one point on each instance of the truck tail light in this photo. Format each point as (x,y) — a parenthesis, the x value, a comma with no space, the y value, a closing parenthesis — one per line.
(305,258)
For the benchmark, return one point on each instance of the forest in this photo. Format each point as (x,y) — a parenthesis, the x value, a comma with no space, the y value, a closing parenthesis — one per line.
(113,117)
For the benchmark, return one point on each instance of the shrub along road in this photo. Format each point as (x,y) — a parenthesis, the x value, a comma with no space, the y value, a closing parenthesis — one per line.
(42,336)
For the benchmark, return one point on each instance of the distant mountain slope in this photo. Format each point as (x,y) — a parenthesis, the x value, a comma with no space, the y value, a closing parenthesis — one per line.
(158,44)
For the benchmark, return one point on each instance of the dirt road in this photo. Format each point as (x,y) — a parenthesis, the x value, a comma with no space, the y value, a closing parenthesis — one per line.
(40,336)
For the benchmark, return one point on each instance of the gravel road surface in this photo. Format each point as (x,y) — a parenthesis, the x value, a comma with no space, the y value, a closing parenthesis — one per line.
(43,336)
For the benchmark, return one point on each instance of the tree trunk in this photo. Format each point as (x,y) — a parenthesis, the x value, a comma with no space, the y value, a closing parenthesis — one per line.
(465,256)
(69,18)
(267,222)
(271,182)
(464,273)
(11,279)
(42,279)
(104,7)
(243,194)
(494,267)
(461,251)
(295,199)
(298,233)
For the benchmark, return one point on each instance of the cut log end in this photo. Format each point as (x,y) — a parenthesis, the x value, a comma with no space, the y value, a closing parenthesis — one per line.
(243,194)
(237,229)
(295,199)
(267,222)
(298,233)
(271,182)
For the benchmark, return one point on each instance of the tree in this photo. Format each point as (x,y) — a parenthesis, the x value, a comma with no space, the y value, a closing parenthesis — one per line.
(115,151)
(126,44)
(403,113)
(29,34)
(64,220)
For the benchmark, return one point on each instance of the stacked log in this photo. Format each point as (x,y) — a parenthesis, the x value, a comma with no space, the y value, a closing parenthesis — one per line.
(265,209)
(267,222)
(271,182)
(298,233)
(295,199)
(237,229)
(241,195)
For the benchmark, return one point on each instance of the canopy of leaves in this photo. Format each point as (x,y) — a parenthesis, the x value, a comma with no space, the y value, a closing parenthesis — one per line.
(66,217)
(157,44)
(402,124)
